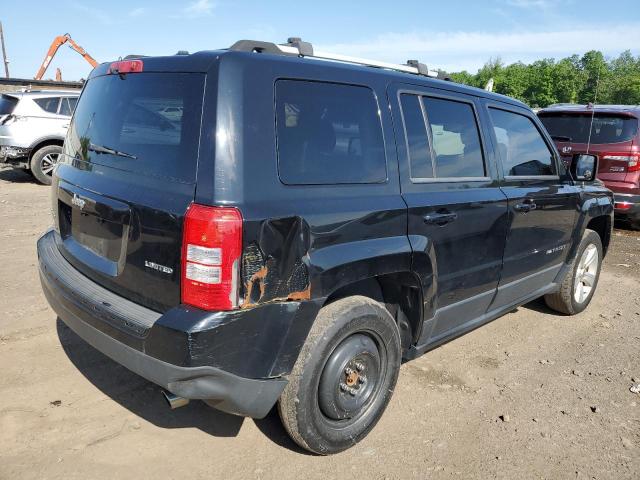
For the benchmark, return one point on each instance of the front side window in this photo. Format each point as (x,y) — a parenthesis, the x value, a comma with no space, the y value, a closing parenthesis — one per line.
(328,133)
(48,104)
(522,149)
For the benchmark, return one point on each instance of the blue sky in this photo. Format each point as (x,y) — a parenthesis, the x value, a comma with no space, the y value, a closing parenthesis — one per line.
(451,34)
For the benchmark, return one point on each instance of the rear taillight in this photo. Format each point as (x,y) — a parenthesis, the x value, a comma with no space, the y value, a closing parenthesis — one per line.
(126,66)
(632,160)
(211,249)
(623,205)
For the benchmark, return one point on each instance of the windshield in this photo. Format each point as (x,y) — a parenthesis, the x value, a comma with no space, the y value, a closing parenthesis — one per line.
(7,104)
(146,123)
(607,128)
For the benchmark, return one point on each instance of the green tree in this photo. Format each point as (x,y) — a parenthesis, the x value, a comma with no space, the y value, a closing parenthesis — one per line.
(573,79)
(541,91)
(567,80)
(463,77)
(492,69)
(596,78)
(513,80)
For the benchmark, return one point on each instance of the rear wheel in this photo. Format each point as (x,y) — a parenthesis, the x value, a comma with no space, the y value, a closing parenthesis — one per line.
(581,281)
(344,376)
(44,161)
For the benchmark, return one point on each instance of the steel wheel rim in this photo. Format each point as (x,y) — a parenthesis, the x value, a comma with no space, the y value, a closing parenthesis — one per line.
(586,274)
(351,378)
(49,162)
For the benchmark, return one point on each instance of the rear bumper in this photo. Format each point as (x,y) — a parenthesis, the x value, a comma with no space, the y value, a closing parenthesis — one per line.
(627,206)
(12,154)
(228,359)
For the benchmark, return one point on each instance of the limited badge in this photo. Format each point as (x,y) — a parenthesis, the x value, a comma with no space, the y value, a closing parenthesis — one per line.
(157,267)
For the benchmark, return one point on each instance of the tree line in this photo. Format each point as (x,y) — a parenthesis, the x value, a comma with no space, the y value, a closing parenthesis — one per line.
(570,80)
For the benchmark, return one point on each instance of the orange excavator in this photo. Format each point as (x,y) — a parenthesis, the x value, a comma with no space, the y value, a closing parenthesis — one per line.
(55,45)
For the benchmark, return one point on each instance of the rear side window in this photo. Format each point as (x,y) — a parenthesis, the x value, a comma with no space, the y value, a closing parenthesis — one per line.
(328,133)
(606,128)
(522,149)
(450,147)
(49,104)
(127,113)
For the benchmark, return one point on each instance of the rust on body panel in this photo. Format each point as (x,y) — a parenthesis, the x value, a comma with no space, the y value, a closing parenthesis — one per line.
(273,266)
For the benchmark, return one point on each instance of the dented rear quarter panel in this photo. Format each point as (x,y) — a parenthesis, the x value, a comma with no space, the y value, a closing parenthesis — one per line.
(299,242)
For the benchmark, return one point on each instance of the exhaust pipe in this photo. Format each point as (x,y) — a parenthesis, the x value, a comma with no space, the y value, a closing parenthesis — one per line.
(175,401)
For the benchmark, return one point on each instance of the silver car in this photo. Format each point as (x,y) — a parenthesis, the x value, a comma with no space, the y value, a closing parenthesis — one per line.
(32,129)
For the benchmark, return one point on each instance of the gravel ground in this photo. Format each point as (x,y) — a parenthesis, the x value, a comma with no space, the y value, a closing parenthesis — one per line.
(531,395)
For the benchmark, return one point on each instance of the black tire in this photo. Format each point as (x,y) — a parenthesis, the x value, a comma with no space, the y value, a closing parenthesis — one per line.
(316,409)
(634,223)
(564,300)
(40,163)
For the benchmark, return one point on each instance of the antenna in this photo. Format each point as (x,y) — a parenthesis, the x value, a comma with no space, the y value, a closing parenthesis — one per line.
(593,110)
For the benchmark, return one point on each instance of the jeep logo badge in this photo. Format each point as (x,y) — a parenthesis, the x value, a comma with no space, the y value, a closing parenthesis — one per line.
(566,149)
(78,202)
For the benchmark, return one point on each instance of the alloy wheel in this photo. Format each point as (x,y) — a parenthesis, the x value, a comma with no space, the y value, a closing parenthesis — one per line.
(586,273)
(49,162)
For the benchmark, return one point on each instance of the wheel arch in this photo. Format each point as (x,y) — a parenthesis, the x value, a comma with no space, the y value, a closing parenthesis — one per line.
(44,142)
(602,225)
(399,292)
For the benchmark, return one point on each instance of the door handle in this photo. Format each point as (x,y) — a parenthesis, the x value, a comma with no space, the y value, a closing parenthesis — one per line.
(526,206)
(440,219)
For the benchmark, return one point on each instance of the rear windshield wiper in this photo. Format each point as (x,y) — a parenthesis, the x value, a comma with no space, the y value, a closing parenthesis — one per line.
(561,138)
(104,149)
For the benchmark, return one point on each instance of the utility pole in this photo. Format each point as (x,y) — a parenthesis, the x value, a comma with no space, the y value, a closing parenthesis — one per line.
(4,53)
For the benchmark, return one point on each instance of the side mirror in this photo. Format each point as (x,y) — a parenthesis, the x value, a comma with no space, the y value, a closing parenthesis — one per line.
(584,167)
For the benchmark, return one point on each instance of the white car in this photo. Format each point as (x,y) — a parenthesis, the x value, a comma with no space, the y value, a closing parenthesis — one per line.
(173,114)
(33,126)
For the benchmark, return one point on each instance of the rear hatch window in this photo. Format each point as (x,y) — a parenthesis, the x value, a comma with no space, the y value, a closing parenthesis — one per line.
(153,118)
(126,180)
(7,105)
(606,128)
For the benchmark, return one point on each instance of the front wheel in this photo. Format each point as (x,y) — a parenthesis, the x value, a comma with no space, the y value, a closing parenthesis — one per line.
(578,287)
(344,376)
(44,161)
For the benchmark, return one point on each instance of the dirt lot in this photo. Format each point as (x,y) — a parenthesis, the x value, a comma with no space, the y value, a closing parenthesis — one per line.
(531,395)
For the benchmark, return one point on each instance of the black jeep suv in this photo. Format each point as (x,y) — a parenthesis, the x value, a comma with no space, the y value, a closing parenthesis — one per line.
(297,227)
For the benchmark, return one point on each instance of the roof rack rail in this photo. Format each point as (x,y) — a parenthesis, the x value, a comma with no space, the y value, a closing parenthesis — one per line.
(296,47)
